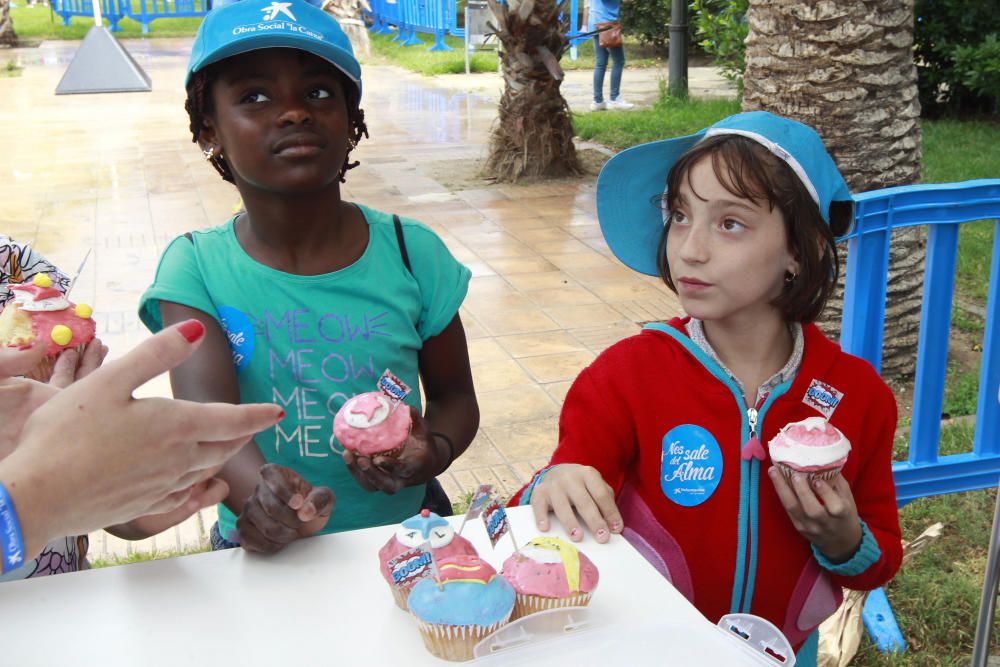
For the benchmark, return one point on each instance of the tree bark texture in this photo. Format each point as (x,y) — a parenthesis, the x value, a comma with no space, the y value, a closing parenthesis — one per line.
(7,35)
(533,135)
(846,68)
(348,15)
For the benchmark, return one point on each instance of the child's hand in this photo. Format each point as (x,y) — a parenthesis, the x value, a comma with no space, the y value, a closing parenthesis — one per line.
(19,397)
(423,457)
(568,486)
(283,508)
(825,514)
(72,366)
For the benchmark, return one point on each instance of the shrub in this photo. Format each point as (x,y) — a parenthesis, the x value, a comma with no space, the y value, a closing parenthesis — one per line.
(721,30)
(980,66)
(649,20)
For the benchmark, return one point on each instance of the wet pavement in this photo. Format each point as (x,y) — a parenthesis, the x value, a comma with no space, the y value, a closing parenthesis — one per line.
(119,174)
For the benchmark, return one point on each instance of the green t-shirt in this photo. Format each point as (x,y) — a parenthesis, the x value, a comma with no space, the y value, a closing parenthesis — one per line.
(308,343)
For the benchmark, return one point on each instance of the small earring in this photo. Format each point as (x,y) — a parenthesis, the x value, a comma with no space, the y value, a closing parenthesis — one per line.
(209,153)
(790,277)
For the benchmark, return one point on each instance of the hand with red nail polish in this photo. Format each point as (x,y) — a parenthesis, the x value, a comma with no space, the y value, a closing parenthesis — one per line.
(152,456)
(574,492)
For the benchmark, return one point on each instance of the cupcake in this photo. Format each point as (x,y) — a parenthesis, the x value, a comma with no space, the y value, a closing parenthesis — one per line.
(41,312)
(371,424)
(465,605)
(424,527)
(812,446)
(549,572)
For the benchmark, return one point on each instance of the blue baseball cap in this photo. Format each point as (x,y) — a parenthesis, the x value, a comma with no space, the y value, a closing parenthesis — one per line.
(631,181)
(250,25)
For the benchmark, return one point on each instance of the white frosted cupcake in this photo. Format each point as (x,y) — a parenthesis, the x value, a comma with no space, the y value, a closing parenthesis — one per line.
(812,446)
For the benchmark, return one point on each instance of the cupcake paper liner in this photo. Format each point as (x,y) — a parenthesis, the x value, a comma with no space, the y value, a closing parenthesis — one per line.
(826,475)
(456,642)
(400,595)
(525,605)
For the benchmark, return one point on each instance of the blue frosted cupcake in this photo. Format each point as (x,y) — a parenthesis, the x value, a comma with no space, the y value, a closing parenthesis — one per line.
(467,604)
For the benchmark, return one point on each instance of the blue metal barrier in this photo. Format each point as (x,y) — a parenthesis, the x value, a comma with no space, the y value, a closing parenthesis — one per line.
(440,18)
(111,10)
(143,11)
(942,208)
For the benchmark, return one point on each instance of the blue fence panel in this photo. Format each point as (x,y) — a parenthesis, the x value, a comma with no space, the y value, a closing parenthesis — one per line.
(942,208)
(111,10)
(147,11)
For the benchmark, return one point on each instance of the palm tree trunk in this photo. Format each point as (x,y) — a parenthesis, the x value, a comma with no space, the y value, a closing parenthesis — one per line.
(7,35)
(846,68)
(533,136)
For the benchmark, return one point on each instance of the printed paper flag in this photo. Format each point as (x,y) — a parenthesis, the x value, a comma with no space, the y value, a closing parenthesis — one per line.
(412,565)
(476,505)
(495,518)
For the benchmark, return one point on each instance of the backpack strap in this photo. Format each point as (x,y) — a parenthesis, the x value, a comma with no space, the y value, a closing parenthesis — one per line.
(402,243)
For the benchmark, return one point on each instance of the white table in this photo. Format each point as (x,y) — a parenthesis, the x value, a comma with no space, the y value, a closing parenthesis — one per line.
(322,601)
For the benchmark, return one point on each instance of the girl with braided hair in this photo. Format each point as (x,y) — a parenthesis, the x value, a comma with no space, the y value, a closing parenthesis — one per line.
(306,298)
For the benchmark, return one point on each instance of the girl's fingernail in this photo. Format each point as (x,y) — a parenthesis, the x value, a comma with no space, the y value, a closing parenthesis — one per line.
(601,533)
(575,532)
(616,526)
(192,330)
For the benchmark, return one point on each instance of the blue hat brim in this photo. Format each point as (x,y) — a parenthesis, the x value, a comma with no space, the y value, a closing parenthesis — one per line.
(629,207)
(336,56)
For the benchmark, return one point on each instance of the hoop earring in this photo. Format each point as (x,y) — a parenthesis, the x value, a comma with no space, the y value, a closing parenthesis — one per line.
(790,277)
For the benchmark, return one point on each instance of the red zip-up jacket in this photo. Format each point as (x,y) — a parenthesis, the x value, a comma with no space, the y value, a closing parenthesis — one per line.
(665,427)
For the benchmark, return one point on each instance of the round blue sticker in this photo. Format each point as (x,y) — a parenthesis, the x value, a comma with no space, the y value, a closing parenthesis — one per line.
(239,331)
(690,465)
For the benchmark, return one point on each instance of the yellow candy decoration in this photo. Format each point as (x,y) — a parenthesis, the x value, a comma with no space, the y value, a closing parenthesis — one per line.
(62,334)
(41,280)
(83,311)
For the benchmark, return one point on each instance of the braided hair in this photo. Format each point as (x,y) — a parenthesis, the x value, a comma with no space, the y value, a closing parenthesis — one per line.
(199,104)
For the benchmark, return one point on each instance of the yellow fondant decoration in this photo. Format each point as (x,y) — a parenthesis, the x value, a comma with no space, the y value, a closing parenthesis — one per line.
(84,311)
(41,280)
(569,555)
(62,334)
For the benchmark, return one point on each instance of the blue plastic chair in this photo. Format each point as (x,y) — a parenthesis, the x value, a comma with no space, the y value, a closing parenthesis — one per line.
(942,208)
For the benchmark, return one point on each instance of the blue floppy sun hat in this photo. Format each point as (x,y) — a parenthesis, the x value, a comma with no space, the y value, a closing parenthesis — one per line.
(250,25)
(629,185)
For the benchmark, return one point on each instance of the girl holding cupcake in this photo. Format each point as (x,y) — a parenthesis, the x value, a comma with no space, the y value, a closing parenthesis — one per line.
(662,438)
(307,298)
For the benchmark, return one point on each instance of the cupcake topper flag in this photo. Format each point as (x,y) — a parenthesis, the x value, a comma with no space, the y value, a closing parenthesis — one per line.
(495,520)
(414,564)
(393,388)
(476,505)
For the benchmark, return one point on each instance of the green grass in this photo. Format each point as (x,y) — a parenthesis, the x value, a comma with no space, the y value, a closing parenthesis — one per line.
(10,69)
(953,151)
(418,59)
(669,117)
(37,23)
(143,556)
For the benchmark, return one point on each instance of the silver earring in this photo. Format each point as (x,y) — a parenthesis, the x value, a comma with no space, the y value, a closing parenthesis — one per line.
(209,152)
(790,277)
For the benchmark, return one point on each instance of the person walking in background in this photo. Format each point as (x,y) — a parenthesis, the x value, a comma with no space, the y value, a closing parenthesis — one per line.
(607,42)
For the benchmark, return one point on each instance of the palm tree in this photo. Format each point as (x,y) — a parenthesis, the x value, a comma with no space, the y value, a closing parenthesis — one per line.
(847,69)
(7,35)
(348,15)
(533,135)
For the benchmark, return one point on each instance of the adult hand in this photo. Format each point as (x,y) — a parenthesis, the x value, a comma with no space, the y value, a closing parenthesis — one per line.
(94,456)
(824,514)
(423,457)
(570,489)
(283,508)
(19,397)
(71,366)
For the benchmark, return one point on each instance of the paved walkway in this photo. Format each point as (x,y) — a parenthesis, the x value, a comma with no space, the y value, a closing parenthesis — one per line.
(119,174)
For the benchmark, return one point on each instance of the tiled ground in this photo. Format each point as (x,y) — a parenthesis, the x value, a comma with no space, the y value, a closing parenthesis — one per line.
(118,174)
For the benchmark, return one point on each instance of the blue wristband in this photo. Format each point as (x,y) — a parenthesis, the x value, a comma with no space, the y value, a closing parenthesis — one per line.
(11,539)
(526,496)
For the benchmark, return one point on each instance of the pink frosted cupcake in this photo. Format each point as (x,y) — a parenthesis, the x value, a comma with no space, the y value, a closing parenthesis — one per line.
(370,424)
(424,527)
(41,313)
(549,572)
(812,446)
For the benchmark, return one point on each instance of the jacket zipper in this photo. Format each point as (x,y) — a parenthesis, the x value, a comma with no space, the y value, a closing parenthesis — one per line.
(752,422)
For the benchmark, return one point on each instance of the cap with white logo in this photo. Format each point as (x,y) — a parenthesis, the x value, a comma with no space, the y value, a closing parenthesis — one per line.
(251,25)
